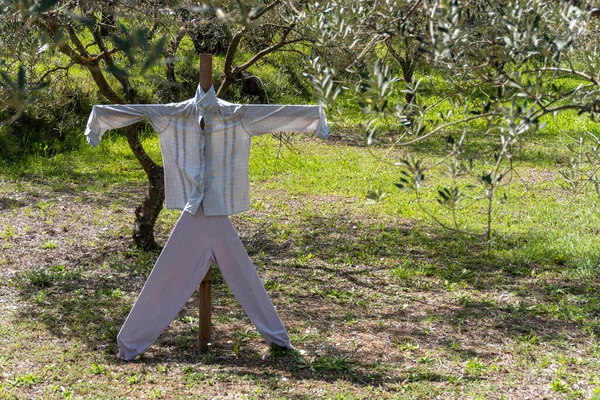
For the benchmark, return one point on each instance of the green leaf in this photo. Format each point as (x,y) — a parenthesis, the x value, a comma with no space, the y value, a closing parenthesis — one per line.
(376,195)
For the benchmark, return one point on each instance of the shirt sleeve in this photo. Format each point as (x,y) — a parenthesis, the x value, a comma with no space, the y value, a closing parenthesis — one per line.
(114,116)
(258,119)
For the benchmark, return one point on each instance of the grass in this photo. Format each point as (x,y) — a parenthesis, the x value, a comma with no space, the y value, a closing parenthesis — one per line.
(381,302)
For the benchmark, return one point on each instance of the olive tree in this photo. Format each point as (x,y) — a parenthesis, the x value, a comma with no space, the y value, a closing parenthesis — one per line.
(115,42)
(494,66)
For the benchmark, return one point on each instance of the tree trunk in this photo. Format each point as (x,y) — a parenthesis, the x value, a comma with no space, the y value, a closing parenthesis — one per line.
(408,69)
(172,89)
(408,65)
(228,67)
(147,212)
(172,86)
(227,82)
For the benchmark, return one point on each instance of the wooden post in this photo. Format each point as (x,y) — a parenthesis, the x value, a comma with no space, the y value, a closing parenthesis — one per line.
(204,291)
(206,71)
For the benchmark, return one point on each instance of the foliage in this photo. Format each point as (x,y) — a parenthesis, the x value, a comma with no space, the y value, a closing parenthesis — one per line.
(117,45)
(480,80)
(489,70)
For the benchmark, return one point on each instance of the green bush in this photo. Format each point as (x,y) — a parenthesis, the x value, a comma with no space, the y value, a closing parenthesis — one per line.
(53,123)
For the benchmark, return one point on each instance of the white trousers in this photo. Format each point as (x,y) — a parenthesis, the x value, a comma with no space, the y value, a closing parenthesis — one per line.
(195,242)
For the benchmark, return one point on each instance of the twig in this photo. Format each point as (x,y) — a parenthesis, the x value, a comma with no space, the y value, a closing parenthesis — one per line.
(54,70)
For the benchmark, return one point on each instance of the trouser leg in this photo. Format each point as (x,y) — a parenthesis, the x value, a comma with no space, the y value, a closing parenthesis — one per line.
(181,266)
(241,277)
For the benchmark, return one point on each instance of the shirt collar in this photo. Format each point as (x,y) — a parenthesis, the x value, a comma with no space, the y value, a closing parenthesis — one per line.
(205,100)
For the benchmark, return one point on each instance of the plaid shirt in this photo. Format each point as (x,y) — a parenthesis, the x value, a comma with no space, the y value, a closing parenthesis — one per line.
(210,165)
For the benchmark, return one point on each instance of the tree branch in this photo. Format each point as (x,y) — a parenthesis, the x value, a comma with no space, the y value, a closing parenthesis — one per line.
(394,53)
(106,55)
(379,37)
(282,42)
(264,10)
(51,27)
(50,71)
(231,50)
(262,53)
(227,68)
(565,70)
(75,40)
(592,106)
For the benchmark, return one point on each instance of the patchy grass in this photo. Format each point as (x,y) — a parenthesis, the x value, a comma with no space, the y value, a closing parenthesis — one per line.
(381,303)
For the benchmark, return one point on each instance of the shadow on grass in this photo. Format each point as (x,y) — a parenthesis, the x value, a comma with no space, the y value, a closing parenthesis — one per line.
(351,263)
(86,299)
(114,190)
(327,368)
(94,176)
(332,270)
(480,146)
(7,203)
